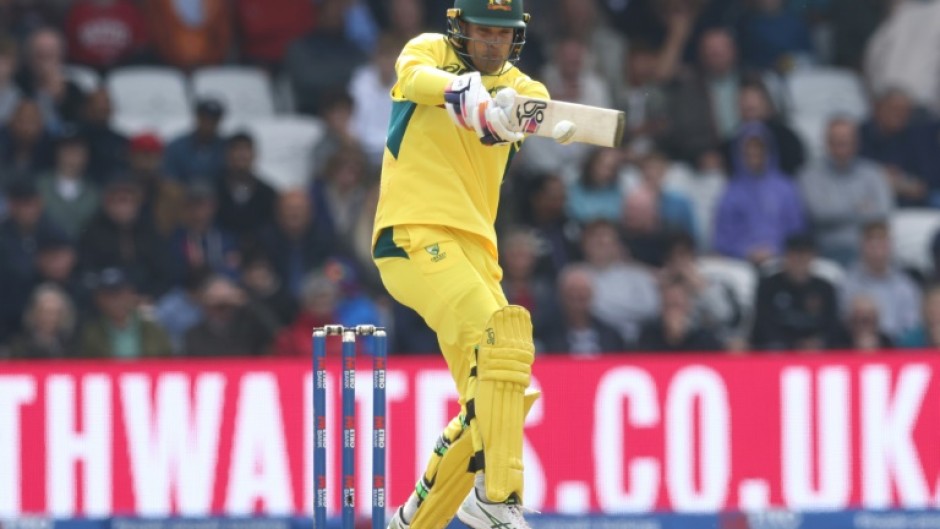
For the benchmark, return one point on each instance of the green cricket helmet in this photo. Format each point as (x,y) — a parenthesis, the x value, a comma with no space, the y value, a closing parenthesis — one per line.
(495,13)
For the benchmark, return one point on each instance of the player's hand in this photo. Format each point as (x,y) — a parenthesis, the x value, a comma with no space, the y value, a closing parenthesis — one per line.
(492,124)
(464,98)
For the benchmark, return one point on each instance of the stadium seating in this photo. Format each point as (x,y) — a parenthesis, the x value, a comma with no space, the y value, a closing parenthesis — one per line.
(86,78)
(284,147)
(826,91)
(153,94)
(912,231)
(246,92)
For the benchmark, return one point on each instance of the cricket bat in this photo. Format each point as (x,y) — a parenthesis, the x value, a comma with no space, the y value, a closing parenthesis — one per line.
(594,125)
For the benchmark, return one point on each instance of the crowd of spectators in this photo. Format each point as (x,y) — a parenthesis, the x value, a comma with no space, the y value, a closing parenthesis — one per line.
(127,245)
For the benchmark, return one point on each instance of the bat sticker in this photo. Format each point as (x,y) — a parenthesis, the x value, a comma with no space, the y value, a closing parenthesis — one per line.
(530,115)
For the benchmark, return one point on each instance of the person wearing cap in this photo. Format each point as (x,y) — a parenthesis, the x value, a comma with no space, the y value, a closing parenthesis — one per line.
(107,148)
(199,242)
(25,143)
(70,199)
(795,309)
(200,152)
(19,233)
(120,330)
(163,198)
(120,236)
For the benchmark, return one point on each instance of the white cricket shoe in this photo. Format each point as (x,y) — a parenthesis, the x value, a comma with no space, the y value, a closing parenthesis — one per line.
(482,515)
(397,522)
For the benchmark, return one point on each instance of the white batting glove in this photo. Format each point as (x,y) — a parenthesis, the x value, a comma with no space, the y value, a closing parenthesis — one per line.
(492,125)
(464,97)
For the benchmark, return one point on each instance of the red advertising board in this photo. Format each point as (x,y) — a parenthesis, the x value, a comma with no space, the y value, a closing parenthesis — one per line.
(618,434)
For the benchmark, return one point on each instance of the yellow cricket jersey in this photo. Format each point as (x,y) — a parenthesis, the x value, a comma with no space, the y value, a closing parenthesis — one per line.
(433,171)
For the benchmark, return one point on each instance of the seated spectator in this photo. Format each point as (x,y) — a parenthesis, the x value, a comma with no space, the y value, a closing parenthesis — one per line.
(339,194)
(57,265)
(107,148)
(625,293)
(70,199)
(105,33)
(201,152)
(163,198)
(190,34)
(675,329)
(43,79)
(842,193)
(773,37)
(263,287)
(120,236)
(544,211)
(246,203)
(336,112)
(674,209)
(294,242)
(120,330)
(520,284)
(761,206)
(642,97)
(604,47)
(906,149)
(25,144)
(9,93)
(927,334)
(20,19)
(794,309)
(597,194)
(19,234)
(230,326)
(318,302)
(322,60)
(570,78)
(179,310)
(369,88)
(756,105)
(267,27)
(48,326)
(714,306)
(862,332)
(875,275)
(579,333)
(199,242)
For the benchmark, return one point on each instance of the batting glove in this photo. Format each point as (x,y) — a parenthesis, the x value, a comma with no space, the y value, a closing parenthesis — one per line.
(464,97)
(492,123)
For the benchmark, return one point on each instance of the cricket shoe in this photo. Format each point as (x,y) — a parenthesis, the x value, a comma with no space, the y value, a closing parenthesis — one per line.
(479,514)
(397,521)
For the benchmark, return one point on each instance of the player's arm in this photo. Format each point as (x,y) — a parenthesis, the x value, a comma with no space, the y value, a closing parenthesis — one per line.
(419,79)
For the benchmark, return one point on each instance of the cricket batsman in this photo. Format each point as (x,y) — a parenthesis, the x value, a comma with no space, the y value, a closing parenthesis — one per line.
(450,140)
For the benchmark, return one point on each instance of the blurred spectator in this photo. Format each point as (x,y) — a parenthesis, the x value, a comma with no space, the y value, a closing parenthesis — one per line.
(230,326)
(121,330)
(199,153)
(163,198)
(406,18)
(25,144)
(338,195)
(772,37)
(323,60)
(520,284)
(853,22)
(198,242)
(755,105)
(294,242)
(641,97)
(337,112)
(9,92)
(48,326)
(267,27)
(895,294)
(20,233)
(179,310)
(246,203)
(674,209)
(105,33)
(905,147)
(862,332)
(597,194)
(120,236)
(703,186)
(318,300)
(605,47)
(580,332)
(714,306)
(544,211)
(568,77)
(43,78)
(369,89)
(844,192)
(675,329)
(19,18)
(927,334)
(904,52)
(354,306)
(359,246)
(190,33)
(761,206)
(57,264)
(794,308)
(624,292)
(70,199)
(261,283)
(107,147)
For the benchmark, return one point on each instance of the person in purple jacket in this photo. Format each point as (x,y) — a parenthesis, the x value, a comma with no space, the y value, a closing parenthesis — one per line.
(761,206)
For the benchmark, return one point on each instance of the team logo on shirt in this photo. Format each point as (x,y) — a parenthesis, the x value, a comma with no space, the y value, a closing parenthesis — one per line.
(500,5)
(435,251)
